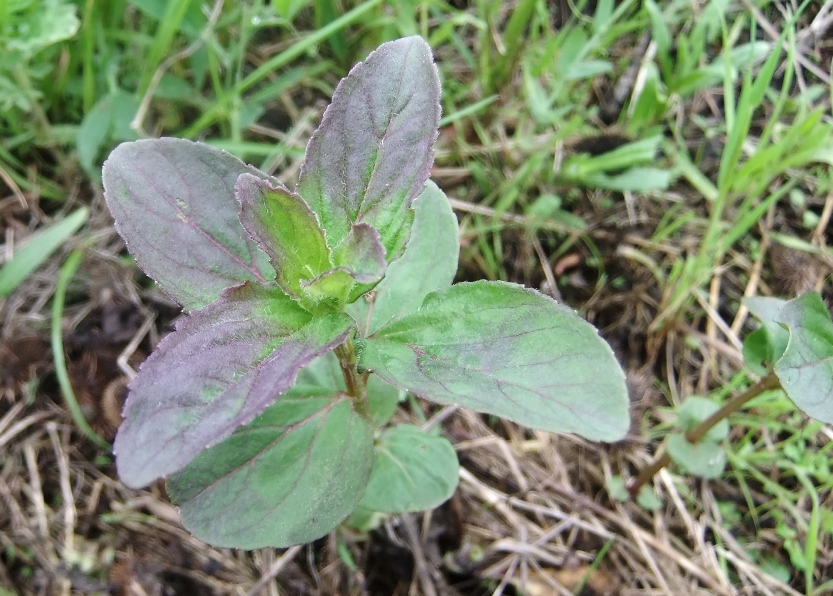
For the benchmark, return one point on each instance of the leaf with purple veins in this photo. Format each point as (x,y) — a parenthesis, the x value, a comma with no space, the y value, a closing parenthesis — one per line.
(371,155)
(506,350)
(222,366)
(173,202)
(289,477)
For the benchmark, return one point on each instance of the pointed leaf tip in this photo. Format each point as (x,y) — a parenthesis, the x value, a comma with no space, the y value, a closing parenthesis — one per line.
(372,154)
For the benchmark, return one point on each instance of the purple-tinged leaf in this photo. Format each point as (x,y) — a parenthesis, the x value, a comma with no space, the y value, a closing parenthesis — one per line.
(174,205)
(286,229)
(505,350)
(371,155)
(289,477)
(221,367)
(806,368)
(429,263)
(361,253)
(360,260)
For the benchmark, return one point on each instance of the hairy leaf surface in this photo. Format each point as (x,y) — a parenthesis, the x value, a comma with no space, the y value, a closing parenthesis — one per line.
(360,260)
(806,368)
(173,202)
(288,477)
(412,471)
(505,350)
(286,229)
(371,155)
(429,263)
(221,367)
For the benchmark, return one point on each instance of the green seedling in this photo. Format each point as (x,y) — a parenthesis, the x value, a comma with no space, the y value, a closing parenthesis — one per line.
(792,350)
(311,311)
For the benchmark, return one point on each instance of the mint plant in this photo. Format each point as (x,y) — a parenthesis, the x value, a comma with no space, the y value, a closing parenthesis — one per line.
(792,350)
(311,311)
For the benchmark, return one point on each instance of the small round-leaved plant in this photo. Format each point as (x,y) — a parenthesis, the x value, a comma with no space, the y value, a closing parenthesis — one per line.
(309,312)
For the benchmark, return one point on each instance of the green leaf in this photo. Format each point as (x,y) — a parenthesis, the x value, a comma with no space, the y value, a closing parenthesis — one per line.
(806,368)
(51,21)
(222,366)
(763,347)
(35,250)
(502,349)
(361,254)
(174,205)
(429,263)
(640,179)
(648,499)
(706,459)
(371,155)
(696,409)
(288,477)
(617,488)
(286,229)
(92,133)
(412,471)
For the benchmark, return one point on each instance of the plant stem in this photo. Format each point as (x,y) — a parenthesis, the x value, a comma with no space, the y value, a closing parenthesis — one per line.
(356,382)
(698,432)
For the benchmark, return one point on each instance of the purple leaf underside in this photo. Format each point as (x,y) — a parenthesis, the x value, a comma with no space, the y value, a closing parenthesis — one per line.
(505,350)
(221,367)
(361,253)
(371,155)
(289,477)
(173,203)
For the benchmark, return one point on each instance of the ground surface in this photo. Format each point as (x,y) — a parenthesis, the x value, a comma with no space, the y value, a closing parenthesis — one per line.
(725,195)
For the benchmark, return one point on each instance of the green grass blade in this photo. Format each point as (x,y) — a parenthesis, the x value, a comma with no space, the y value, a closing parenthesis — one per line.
(278,61)
(67,273)
(37,249)
(168,26)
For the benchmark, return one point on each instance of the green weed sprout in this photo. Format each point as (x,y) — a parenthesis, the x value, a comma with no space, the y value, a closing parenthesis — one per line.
(791,350)
(310,311)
